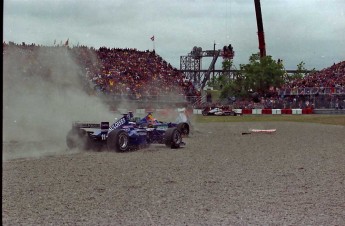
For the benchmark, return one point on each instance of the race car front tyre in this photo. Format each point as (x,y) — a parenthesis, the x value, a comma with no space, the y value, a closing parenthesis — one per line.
(184,128)
(173,138)
(77,138)
(118,140)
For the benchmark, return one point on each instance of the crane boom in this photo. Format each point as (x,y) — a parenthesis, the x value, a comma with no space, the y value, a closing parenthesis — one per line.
(262,45)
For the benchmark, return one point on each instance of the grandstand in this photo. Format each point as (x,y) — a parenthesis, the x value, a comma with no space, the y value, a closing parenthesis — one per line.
(144,78)
(117,75)
(322,89)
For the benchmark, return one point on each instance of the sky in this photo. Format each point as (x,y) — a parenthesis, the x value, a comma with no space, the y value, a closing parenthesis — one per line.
(311,31)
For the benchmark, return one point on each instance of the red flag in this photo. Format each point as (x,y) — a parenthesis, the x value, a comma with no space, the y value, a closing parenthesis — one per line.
(152,38)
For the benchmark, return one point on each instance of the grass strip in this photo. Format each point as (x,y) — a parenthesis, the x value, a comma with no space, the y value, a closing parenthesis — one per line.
(312,118)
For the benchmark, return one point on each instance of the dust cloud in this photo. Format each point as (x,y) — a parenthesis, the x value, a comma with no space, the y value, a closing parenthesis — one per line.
(43,94)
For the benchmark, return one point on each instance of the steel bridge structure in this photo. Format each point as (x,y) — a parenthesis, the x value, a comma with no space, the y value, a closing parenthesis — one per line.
(191,65)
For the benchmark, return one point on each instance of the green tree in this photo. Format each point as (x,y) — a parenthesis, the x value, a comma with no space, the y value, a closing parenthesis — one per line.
(257,76)
(262,73)
(301,72)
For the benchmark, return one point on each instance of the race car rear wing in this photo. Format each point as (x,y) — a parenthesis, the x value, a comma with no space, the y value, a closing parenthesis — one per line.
(102,125)
(119,123)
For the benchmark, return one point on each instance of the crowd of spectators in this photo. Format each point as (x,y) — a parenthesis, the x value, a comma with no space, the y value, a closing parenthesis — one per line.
(144,75)
(120,73)
(321,89)
(330,80)
(133,74)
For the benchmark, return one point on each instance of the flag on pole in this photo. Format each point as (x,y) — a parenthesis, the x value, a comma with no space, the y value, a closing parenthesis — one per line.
(153,38)
(66,43)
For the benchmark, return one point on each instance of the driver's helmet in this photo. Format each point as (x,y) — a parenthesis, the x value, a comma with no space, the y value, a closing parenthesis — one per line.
(150,119)
(130,114)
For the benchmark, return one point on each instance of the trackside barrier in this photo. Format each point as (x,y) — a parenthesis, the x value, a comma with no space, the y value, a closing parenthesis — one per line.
(296,111)
(122,110)
(247,111)
(238,111)
(276,111)
(147,110)
(164,112)
(197,111)
(140,111)
(266,111)
(256,111)
(307,111)
(161,111)
(287,111)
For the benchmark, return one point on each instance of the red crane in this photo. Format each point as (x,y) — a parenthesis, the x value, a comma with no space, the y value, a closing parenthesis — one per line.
(261,36)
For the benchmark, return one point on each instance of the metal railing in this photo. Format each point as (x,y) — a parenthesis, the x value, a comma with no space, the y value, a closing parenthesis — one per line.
(312,91)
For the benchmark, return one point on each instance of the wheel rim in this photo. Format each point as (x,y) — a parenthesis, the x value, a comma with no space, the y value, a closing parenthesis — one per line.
(177,137)
(123,141)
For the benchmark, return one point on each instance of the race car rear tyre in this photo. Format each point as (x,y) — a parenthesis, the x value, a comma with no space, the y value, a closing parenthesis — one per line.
(118,140)
(77,138)
(173,138)
(184,128)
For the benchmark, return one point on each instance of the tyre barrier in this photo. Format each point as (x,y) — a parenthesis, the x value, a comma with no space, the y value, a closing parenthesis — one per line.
(266,111)
(287,111)
(245,111)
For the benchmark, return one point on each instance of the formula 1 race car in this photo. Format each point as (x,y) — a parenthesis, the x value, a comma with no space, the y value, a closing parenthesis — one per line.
(121,136)
(218,111)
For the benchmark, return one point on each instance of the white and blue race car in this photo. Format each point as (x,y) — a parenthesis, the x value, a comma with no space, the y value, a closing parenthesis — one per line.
(123,135)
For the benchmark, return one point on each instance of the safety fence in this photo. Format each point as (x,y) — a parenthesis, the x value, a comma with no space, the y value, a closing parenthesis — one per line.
(312,91)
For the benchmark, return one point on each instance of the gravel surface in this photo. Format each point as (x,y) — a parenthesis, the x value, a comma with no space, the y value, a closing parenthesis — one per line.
(295,176)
